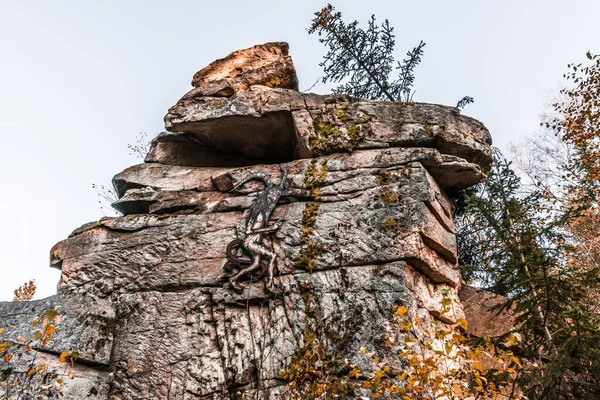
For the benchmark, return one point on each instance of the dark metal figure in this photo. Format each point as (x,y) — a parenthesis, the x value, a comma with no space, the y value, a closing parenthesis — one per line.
(257,225)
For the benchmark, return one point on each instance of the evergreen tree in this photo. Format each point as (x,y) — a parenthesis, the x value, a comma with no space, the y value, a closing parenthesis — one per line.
(364,58)
(509,244)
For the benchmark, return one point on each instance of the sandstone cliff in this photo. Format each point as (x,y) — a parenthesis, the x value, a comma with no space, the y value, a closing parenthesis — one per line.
(144,299)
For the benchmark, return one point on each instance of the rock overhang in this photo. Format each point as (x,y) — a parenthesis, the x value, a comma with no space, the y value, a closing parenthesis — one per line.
(289,125)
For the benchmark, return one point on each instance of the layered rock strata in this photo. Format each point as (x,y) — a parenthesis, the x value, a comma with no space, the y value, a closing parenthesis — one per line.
(367,225)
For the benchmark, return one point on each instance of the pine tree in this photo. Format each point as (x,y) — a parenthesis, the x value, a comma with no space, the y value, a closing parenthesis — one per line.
(364,58)
(511,245)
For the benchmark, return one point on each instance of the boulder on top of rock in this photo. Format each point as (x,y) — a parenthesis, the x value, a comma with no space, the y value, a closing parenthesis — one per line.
(267,64)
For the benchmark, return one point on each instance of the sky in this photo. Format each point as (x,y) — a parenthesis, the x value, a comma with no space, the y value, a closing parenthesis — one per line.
(80,79)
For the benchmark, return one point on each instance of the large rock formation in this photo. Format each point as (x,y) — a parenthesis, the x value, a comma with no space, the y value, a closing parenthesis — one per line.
(144,299)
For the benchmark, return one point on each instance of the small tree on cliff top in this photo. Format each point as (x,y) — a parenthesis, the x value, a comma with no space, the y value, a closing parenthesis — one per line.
(364,57)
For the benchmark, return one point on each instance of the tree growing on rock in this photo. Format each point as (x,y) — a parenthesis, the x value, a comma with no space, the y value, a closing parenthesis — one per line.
(364,57)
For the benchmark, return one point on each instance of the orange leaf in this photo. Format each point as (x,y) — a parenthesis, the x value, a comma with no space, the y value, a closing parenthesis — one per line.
(49,330)
(477,365)
(401,311)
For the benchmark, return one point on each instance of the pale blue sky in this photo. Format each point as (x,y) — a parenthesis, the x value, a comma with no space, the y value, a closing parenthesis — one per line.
(79,79)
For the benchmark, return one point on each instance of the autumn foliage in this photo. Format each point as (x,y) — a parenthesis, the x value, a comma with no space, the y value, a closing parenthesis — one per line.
(25,292)
(433,361)
(578,124)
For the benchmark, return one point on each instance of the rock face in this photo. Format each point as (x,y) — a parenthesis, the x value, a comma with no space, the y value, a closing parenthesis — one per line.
(486,313)
(366,225)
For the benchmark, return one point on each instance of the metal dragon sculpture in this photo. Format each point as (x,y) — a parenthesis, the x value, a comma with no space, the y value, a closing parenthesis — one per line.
(255,227)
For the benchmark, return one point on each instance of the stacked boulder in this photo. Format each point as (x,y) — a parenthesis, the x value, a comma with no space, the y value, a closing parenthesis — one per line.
(366,225)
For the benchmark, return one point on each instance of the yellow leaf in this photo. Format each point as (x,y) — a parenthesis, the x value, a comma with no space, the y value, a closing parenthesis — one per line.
(49,330)
(354,373)
(2,330)
(418,322)
(515,360)
(403,376)
(63,356)
(22,340)
(457,390)
(74,357)
(37,336)
(448,347)
(477,365)
(30,373)
(7,357)
(401,311)
(404,353)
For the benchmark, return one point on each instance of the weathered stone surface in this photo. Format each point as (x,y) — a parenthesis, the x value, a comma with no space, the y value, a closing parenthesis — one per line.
(146,252)
(267,64)
(340,167)
(365,225)
(429,296)
(80,382)
(298,125)
(200,342)
(86,325)
(486,312)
